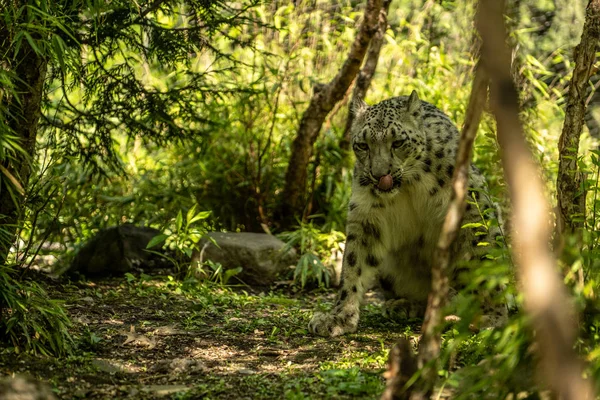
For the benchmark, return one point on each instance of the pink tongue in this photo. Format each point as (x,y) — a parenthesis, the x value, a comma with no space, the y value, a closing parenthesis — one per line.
(385,182)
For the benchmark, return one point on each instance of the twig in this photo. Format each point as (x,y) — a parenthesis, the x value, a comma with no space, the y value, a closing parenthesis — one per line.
(545,297)
(365,76)
(37,250)
(324,98)
(34,221)
(429,346)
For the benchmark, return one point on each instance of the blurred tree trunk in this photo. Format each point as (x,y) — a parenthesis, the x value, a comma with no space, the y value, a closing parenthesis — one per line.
(546,299)
(571,195)
(322,102)
(24,111)
(401,366)
(430,344)
(365,76)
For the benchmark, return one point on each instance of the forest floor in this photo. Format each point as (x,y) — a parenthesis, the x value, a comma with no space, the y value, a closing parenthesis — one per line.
(142,337)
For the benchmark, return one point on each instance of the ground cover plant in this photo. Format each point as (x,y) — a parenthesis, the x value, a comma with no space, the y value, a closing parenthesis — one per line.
(184,116)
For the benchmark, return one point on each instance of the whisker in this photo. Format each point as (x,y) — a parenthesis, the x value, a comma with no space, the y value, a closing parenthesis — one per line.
(364,180)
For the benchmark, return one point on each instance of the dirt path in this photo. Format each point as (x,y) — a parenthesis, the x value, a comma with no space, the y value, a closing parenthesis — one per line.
(144,338)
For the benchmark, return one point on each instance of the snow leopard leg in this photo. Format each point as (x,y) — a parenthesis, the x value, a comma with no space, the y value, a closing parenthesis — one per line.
(362,257)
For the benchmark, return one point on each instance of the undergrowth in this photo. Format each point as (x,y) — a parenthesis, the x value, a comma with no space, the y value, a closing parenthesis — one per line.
(236,171)
(29,320)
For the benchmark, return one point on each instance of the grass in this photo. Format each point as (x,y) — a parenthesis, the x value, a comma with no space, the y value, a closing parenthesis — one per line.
(246,344)
(144,336)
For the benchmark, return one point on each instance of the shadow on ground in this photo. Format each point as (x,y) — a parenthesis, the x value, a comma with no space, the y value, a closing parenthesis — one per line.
(144,338)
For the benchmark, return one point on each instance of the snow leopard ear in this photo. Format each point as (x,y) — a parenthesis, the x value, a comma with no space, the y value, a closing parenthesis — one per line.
(358,108)
(414,104)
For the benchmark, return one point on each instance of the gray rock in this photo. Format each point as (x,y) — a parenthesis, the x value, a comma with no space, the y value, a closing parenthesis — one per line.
(245,371)
(114,251)
(108,366)
(261,256)
(24,388)
(178,366)
(164,390)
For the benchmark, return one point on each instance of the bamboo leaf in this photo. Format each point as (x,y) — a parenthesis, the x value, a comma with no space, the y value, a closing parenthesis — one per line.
(15,182)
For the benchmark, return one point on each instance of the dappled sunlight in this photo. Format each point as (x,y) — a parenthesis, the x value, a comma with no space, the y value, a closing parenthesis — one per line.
(235,200)
(145,348)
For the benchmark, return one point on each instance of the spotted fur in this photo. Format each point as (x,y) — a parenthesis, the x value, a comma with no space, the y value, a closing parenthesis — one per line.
(391,235)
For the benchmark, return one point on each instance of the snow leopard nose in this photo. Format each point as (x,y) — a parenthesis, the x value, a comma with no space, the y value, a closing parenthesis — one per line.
(381,165)
(378,176)
(378,171)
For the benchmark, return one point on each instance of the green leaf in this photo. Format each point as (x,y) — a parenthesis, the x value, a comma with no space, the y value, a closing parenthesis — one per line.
(18,40)
(179,221)
(32,43)
(190,215)
(472,225)
(230,273)
(157,240)
(58,47)
(199,216)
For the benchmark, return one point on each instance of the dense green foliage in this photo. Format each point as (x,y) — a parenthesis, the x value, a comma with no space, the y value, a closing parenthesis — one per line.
(163,113)
(32,321)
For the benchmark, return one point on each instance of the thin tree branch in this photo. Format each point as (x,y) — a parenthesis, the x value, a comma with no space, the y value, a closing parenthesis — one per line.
(34,223)
(322,102)
(46,234)
(429,346)
(365,76)
(545,296)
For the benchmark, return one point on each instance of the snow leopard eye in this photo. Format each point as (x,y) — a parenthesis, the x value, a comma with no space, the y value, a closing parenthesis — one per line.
(361,146)
(396,144)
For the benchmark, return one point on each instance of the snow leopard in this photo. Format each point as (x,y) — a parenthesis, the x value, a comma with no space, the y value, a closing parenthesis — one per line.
(405,152)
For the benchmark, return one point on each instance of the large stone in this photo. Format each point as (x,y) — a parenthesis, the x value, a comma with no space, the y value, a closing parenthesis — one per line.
(24,387)
(261,256)
(116,250)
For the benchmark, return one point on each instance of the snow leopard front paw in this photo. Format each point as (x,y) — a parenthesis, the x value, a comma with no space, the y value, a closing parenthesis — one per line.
(331,325)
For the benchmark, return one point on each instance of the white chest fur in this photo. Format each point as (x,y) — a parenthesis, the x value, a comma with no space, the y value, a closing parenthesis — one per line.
(408,217)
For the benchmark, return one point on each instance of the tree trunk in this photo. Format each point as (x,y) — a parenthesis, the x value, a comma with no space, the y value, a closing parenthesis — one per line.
(402,365)
(318,198)
(23,116)
(322,102)
(365,76)
(545,296)
(571,197)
